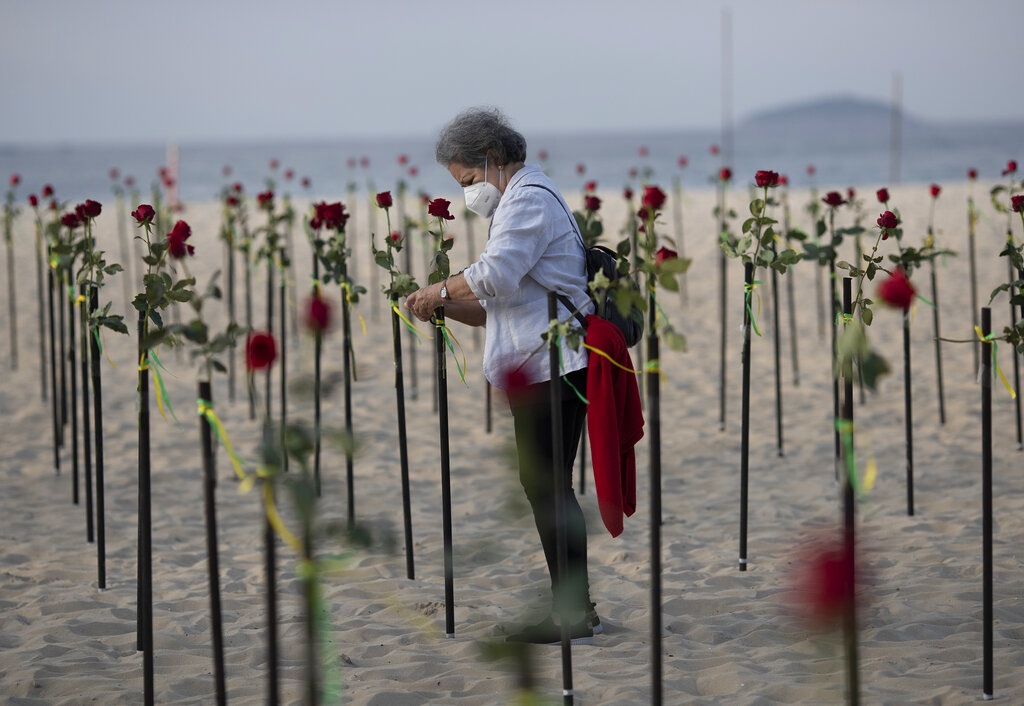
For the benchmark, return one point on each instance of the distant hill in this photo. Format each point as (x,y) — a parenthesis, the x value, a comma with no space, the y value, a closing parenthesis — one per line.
(828,115)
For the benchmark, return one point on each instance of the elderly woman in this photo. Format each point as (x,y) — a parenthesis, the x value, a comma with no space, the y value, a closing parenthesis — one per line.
(533,248)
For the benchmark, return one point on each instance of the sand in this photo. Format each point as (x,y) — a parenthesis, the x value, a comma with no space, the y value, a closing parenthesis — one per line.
(729,637)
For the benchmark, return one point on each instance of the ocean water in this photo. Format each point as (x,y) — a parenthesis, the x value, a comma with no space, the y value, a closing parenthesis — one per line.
(858,157)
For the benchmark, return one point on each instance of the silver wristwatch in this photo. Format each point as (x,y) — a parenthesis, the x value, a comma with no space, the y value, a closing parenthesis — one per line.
(444,290)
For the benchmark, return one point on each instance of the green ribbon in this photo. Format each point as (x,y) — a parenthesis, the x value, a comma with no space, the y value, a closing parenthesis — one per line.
(750,289)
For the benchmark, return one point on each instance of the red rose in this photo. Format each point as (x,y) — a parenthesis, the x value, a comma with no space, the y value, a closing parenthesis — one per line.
(542,155)
(33,200)
(653,198)
(289,174)
(331,215)
(351,162)
(47,191)
(231,201)
(850,194)
(384,199)
(169,182)
(896,290)
(811,170)
(590,186)
(129,181)
(306,183)
(237,187)
(834,199)
(887,221)
(935,190)
(260,350)
(403,159)
(972,174)
(226,170)
(70,220)
(783,180)
(765,178)
(628,193)
(80,212)
(395,239)
(414,170)
(266,200)
(54,205)
(439,209)
(15,179)
(176,245)
(883,195)
(1017,203)
(274,164)
(633,172)
(592,203)
(642,151)
(713,150)
(91,208)
(665,254)
(580,168)
(825,581)
(425,198)
(114,174)
(162,172)
(683,161)
(725,174)
(1011,167)
(318,314)
(364,162)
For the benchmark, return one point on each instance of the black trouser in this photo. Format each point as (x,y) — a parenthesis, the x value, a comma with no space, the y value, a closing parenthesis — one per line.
(531,412)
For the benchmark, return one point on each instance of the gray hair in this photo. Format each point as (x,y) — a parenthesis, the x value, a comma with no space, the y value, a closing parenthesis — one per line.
(478,133)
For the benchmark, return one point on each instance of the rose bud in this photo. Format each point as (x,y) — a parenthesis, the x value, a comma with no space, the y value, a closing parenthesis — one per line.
(590,186)
(725,174)
(1017,203)
(972,174)
(683,161)
(69,220)
(628,193)
(92,208)
(834,199)
(33,200)
(231,201)
(883,195)
(713,149)
(653,197)
(274,164)
(403,159)
(176,245)
(364,162)
(633,172)
(114,174)
(580,168)
(765,178)
(15,179)
(592,203)
(54,205)
(226,170)
(850,193)
(169,182)
(289,174)
(439,209)
(1011,167)
(162,172)
(642,151)
(351,162)
(811,170)
(47,191)
(542,155)
(237,187)
(896,290)
(414,170)
(266,200)
(306,183)
(318,314)
(935,190)
(665,254)
(783,180)
(260,351)
(384,199)
(129,181)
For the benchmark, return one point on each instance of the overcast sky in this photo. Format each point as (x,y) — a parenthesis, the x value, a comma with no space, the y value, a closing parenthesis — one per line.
(187,70)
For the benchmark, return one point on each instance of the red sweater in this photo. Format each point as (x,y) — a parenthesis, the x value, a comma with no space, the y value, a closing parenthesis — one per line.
(615,422)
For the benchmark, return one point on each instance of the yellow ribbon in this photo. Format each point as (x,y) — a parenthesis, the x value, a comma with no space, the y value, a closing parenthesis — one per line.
(748,288)
(206,410)
(394,308)
(611,360)
(275,519)
(448,336)
(348,298)
(990,339)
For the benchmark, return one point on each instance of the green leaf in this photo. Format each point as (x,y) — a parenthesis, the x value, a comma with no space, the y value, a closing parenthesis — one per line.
(757,207)
(747,224)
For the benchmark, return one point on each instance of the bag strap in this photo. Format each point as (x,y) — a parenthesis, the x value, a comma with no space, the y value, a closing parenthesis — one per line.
(566,302)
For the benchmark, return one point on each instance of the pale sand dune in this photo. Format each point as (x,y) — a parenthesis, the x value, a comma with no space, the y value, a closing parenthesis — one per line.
(728,637)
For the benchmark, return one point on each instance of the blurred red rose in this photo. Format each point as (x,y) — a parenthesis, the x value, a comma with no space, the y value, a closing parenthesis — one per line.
(713,150)
(824,584)
(935,190)
(633,172)
(226,170)
(765,178)
(47,191)
(306,183)
(542,155)
(896,290)
(289,174)
(91,208)
(783,180)
(70,220)
(318,314)
(665,254)
(237,187)
(396,239)
(581,168)
(364,162)
(162,172)
(1017,203)
(590,186)
(403,159)
(129,181)
(725,174)
(351,162)
(114,173)
(653,198)
(414,170)
(384,199)
(683,161)
(643,151)
(330,215)
(883,195)
(33,200)
(811,170)
(439,209)
(15,179)
(274,164)
(592,203)
(851,193)
(176,245)
(833,199)
(266,200)
(260,350)
(54,205)
(628,193)
(972,174)
(1011,167)
(169,182)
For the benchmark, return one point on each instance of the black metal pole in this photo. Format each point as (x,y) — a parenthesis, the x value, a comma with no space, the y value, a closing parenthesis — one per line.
(446,480)
(558,469)
(212,560)
(346,332)
(986,501)
(90,535)
(61,295)
(723,314)
(908,412)
(748,279)
(230,253)
(97,398)
(403,444)
(270,328)
(270,578)
(791,305)
(583,461)
(71,359)
(974,273)
(283,303)
(938,345)
(654,421)
(318,345)
(777,335)
(834,310)
(55,399)
(248,325)
(12,305)
(145,524)
(849,533)
(488,424)
(39,306)
(1016,358)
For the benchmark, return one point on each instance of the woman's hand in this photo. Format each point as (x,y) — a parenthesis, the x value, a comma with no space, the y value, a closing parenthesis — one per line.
(422,302)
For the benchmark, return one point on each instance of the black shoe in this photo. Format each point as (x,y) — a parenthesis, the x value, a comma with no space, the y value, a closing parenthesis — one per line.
(547,633)
(593,620)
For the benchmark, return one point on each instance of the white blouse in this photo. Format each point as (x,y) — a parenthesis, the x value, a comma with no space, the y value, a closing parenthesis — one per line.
(532,248)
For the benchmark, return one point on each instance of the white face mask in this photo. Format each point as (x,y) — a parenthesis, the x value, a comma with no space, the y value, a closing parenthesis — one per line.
(482,197)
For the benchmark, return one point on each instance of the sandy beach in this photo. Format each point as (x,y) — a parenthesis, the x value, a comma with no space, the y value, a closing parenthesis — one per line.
(729,637)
